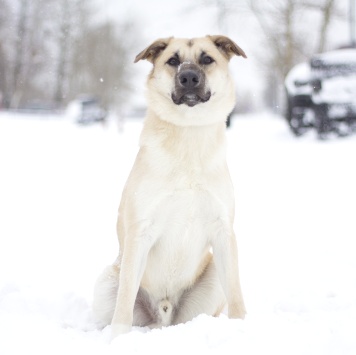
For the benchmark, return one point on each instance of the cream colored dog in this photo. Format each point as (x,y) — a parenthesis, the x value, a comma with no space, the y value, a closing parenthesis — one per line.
(178,253)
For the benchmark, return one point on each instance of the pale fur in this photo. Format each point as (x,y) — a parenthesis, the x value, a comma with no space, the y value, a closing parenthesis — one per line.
(177,207)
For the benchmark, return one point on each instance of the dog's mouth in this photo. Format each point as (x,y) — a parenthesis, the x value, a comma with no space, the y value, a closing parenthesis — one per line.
(190,98)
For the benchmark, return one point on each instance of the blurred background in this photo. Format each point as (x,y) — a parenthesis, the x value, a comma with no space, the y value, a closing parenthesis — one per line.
(53,52)
(71,110)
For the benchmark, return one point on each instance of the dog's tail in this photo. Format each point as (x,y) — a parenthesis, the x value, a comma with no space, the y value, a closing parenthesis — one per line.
(165,310)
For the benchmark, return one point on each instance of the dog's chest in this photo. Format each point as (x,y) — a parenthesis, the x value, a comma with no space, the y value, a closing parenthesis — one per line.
(182,224)
(180,195)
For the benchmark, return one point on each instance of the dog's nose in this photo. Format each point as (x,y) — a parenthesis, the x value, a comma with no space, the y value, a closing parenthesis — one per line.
(189,79)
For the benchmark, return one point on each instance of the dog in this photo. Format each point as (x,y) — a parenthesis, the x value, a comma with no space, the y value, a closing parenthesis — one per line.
(177,248)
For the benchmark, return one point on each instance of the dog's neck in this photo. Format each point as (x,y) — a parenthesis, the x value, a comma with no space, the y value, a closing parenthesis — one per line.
(197,144)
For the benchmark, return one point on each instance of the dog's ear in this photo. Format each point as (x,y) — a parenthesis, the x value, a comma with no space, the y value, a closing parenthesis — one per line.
(227,46)
(153,51)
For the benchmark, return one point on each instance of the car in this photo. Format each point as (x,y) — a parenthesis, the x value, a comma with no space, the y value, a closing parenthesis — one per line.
(85,110)
(321,94)
(38,107)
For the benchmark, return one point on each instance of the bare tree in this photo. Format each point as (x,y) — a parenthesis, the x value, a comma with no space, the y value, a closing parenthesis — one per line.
(71,25)
(327,9)
(286,24)
(63,32)
(55,50)
(17,79)
(5,33)
(99,63)
(24,50)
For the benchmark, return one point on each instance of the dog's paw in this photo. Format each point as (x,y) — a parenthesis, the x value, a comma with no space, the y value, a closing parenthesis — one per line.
(237,311)
(119,329)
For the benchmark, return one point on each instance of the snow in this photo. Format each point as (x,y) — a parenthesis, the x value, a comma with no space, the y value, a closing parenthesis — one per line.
(346,55)
(337,90)
(60,186)
(297,80)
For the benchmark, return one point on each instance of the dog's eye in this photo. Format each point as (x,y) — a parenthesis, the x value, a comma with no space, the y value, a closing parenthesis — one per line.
(207,60)
(174,62)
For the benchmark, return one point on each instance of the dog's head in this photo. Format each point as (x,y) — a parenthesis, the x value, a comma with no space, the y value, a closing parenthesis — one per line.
(190,82)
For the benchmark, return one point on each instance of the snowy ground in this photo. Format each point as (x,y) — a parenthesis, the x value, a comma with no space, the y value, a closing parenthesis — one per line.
(60,186)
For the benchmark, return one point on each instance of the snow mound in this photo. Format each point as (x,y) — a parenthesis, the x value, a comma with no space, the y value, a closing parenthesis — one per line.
(60,187)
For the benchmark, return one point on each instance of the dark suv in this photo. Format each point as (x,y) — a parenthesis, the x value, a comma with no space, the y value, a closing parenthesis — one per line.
(321,94)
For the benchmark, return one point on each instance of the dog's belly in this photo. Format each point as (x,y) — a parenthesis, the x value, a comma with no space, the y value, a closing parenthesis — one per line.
(182,225)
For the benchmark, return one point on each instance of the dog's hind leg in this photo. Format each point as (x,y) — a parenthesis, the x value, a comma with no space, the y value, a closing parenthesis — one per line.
(206,296)
(104,300)
(105,292)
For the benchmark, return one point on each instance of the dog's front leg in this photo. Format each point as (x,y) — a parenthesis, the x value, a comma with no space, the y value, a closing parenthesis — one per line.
(137,247)
(226,261)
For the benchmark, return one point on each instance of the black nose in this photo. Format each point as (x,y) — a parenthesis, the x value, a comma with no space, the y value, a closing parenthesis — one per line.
(189,79)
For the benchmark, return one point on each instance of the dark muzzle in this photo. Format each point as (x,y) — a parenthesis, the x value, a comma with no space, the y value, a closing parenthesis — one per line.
(190,85)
